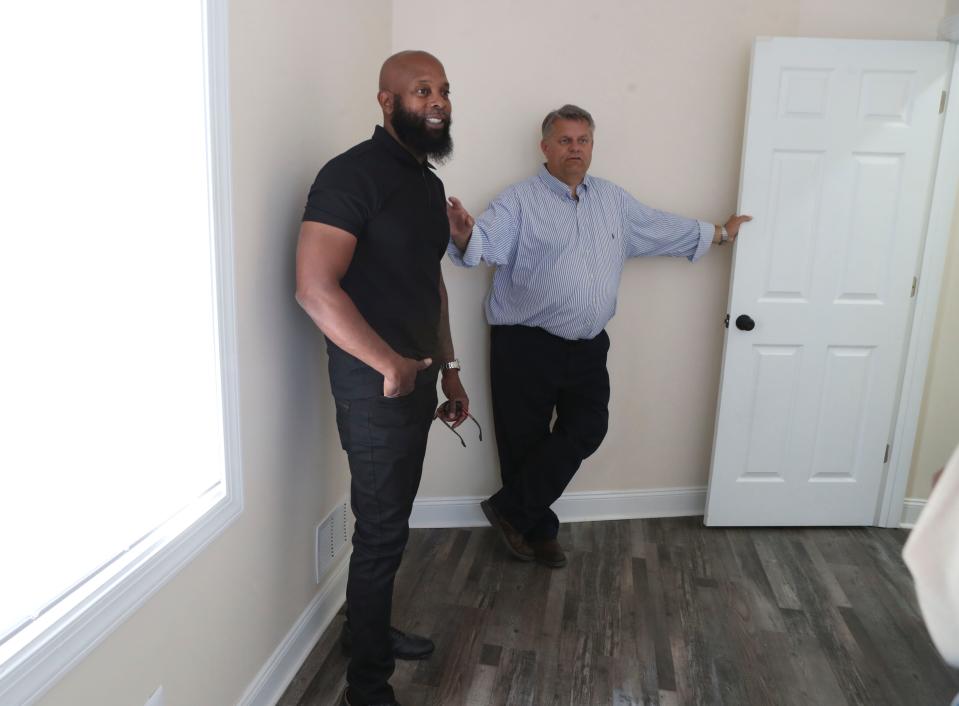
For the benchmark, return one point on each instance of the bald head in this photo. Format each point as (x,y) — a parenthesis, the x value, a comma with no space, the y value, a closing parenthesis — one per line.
(415,97)
(406,66)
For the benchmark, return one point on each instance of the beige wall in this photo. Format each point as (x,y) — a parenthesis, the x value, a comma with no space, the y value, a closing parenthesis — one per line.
(303,85)
(666,83)
(938,433)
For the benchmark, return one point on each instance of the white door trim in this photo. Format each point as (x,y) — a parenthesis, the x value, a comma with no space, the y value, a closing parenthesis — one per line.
(927,303)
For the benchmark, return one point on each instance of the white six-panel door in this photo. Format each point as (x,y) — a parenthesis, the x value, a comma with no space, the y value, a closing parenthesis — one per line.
(841,145)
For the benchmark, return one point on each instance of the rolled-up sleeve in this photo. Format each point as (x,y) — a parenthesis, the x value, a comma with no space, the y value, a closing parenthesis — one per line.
(471,256)
(494,237)
(650,232)
(707,231)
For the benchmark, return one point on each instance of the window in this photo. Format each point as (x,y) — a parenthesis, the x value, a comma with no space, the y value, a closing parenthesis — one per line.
(119,458)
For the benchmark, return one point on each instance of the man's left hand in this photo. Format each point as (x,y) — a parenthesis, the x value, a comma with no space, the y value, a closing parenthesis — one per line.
(733,224)
(455,414)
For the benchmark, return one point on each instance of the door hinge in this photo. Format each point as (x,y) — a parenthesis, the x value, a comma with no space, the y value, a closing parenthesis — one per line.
(885,459)
(942,102)
(726,321)
(915,287)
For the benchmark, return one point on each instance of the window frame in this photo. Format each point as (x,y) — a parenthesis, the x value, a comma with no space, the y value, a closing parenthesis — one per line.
(33,670)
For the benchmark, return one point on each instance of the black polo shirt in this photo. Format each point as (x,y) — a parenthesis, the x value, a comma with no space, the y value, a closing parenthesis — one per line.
(396,208)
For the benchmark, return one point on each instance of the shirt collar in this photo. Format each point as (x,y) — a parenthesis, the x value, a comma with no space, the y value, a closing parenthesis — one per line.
(559,187)
(385,140)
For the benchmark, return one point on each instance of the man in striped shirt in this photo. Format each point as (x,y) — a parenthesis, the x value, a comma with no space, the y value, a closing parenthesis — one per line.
(558,241)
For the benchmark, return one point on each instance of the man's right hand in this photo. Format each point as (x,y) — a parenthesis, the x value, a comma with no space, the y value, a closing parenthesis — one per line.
(401,379)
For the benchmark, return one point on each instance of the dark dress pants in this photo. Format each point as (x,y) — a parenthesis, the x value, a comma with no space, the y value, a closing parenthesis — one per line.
(385,440)
(533,373)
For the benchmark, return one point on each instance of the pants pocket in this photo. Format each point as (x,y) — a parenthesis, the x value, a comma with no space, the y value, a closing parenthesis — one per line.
(343,422)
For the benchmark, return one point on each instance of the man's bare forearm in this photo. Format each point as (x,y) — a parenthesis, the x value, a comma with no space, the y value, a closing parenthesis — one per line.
(445,349)
(338,318)
(462,240)
(457,406)
(323,256)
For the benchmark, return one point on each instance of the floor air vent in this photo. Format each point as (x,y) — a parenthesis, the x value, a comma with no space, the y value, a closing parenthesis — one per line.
(332,537)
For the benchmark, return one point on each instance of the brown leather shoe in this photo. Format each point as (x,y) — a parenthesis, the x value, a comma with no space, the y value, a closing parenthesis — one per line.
(549,552)
(513,540)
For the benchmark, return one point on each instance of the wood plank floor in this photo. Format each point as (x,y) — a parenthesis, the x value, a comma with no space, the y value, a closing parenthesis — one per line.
(661,611)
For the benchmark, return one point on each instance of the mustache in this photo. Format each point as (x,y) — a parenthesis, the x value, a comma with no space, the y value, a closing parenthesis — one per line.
(412,130)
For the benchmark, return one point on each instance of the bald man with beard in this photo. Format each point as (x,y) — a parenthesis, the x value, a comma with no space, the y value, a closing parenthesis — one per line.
(368,273)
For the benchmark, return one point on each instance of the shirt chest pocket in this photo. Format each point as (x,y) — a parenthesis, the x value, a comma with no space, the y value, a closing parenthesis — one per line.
(612,243)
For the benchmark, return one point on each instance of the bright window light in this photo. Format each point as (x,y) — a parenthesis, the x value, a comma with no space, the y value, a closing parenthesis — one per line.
(110,406)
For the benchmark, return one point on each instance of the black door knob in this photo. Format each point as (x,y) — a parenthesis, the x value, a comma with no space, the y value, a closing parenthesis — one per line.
(745,323)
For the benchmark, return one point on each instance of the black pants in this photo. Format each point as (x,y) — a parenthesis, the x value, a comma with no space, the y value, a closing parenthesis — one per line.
(385,440)
(534,373)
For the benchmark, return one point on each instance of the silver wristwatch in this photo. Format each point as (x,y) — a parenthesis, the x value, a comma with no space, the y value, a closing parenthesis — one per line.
(723,235)
(451,365)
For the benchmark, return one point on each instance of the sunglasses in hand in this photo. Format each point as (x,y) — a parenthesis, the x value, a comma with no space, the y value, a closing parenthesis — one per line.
(444,411)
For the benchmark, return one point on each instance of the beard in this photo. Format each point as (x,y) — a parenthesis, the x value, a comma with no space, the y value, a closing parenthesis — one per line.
(411,128)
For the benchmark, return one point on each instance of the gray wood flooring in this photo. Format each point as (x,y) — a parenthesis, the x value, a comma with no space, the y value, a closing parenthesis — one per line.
(661,611)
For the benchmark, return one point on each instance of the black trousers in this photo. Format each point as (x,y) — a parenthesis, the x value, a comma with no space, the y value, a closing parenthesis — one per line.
(534,373)
(385,440)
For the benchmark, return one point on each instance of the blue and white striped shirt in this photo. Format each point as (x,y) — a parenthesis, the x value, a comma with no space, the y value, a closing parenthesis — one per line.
(558,260)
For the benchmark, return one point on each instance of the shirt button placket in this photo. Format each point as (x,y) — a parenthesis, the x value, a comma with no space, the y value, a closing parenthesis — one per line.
(589,310)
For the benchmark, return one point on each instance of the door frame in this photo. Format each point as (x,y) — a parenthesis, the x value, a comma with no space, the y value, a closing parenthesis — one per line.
(934,250)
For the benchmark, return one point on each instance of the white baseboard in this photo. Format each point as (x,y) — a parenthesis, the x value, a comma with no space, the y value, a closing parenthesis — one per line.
(278,672)
(911,507)
(464,511)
